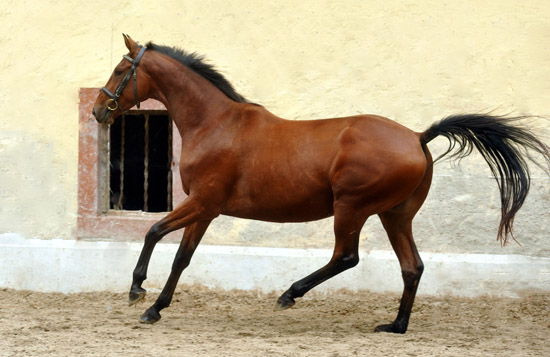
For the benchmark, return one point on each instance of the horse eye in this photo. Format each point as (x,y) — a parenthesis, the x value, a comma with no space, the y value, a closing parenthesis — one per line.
(118,72)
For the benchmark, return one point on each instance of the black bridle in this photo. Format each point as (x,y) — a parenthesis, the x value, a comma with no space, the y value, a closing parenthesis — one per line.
(112,104)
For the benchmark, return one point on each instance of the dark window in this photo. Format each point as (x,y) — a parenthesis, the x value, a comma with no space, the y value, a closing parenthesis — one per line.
(140,159)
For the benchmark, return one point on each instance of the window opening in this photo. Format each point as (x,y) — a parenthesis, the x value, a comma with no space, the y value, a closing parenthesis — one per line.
(140,160)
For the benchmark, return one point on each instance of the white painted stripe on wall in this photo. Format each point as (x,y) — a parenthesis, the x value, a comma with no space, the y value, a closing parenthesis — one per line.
(70,266)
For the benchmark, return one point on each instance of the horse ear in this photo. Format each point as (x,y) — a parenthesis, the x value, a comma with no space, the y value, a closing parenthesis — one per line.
(130,44)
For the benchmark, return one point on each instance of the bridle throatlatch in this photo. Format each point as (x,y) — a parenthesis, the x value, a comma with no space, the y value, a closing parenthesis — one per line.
(112,104)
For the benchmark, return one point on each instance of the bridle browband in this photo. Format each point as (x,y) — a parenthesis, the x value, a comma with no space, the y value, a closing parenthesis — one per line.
(112,104)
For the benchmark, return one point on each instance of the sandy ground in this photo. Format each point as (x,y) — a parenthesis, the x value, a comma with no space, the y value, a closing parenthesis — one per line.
(204,322)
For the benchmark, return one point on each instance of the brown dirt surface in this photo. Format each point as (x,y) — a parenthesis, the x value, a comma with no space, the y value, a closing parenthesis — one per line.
(204,322)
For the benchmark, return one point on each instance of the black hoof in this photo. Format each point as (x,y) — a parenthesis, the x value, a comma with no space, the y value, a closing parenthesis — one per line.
(393,328)
(136,295)
(150,316)
(284,302)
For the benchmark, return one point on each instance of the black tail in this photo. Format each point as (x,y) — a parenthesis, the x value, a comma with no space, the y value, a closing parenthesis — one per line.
(504,144)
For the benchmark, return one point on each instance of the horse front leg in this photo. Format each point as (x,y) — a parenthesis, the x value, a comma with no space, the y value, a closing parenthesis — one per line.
(191,239)
(188,212)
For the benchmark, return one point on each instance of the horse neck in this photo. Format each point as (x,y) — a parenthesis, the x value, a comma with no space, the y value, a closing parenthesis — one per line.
(192,101)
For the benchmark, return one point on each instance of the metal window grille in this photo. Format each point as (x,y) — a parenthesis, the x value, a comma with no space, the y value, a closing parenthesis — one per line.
(140,163)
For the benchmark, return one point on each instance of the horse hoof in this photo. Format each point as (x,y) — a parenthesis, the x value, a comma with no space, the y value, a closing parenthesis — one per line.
(149,317)
(284,303)
(136,295)
(390,328)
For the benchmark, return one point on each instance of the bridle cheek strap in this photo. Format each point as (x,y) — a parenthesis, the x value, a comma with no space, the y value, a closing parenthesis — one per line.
(132,73)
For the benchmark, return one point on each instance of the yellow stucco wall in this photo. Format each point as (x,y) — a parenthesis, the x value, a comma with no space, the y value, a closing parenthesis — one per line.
(414,61)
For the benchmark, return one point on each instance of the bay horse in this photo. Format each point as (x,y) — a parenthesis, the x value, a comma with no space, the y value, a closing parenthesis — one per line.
(238,159)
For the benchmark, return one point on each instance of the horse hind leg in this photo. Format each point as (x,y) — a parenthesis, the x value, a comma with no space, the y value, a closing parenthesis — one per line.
(345,256)
(398,225)
(400,234)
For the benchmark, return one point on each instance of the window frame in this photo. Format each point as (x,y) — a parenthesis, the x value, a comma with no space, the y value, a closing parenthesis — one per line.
(94,218)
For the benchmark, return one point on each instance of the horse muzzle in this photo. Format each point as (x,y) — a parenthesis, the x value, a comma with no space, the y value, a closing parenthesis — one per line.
(104,114)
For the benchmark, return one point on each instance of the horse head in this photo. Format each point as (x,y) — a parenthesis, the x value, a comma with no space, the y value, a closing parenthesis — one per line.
(116,97)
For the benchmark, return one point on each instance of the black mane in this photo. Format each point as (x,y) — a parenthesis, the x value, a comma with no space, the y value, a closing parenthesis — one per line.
(196,63)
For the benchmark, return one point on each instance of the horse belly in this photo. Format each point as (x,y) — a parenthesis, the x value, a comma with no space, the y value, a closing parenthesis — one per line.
(280,198)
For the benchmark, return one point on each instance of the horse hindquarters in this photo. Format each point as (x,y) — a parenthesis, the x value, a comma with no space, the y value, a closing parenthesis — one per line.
(363,187)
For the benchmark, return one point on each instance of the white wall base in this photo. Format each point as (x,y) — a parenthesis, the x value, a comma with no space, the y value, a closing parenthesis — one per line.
(79,266)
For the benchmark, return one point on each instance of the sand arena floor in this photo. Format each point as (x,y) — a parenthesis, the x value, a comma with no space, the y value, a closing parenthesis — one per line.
(204,322)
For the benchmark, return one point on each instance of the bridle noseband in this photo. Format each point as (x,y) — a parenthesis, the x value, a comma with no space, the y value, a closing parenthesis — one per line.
(112,104)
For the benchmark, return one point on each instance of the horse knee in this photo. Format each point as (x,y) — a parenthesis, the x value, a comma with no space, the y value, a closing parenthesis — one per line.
(181,261)
(412,276)
(154,234)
